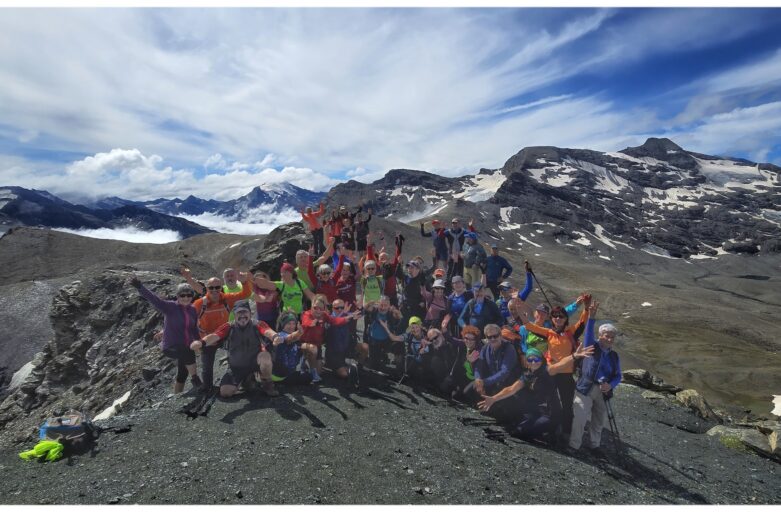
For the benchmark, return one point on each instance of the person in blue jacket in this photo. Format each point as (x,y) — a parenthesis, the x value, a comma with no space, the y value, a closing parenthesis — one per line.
(496,369)
(497,269)
(600,373)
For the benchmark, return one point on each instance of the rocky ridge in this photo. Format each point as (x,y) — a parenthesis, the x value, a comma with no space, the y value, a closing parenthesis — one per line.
(656,197)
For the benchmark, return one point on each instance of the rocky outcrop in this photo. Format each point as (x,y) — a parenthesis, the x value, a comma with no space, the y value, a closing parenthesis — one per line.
(644,379)
(280,246)
(692,399)
(102,341)
(750,438)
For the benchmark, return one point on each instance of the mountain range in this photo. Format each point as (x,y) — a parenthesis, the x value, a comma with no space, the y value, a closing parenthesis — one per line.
(657,198)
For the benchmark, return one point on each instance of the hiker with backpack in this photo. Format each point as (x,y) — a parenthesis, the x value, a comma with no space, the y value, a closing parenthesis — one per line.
(600,373)
(456,302)
(389,271)
(436,304)
(312,220)
(439,240)
(439,360)
(371,284)
(380,322)
(248,352)
(266,301)
(340,342)
(474,259)
(214,311)
(180,328)
(289,354)
(496,369)
(561,353)
(462,373)
(497,269)
(413,286)
(362,230)
(415,347)
(480,310)
(314,322)
(292,290)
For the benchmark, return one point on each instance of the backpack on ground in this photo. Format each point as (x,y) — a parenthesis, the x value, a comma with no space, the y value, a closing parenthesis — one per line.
(73,430)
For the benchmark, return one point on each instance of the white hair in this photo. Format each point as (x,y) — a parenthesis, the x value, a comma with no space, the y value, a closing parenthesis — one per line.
(606,328)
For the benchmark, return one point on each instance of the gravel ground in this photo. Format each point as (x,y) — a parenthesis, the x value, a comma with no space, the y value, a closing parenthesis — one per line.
(384,444)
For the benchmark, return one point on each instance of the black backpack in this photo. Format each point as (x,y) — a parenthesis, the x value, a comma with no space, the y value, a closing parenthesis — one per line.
(73,430)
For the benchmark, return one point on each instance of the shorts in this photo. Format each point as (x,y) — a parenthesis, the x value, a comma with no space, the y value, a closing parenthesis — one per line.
(335,360)
(283,374)
(235,376)
(180,353)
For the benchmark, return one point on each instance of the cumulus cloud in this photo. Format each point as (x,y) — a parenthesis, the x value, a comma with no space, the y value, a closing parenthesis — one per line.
(128,234)
(303,94)
(132,175)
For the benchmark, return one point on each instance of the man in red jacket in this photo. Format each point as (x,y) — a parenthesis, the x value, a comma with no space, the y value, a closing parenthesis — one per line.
(314,322)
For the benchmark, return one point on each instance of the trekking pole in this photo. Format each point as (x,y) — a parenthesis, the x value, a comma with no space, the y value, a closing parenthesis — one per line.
(541,288)
(611,418)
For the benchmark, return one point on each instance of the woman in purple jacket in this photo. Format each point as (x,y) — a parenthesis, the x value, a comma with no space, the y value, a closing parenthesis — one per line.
(180,328)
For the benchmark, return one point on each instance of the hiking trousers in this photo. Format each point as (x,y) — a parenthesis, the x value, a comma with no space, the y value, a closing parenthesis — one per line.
(472,275)
(317,235)
(565,385)
(588,407)
(208,355)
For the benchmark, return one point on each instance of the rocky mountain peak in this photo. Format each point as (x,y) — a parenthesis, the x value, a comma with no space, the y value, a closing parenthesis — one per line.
(665,150)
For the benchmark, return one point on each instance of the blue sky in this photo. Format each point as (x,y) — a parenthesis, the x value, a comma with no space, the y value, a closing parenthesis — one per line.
(145,103)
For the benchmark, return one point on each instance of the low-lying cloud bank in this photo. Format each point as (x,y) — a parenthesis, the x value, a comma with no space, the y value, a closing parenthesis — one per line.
(129,234)
(258,221)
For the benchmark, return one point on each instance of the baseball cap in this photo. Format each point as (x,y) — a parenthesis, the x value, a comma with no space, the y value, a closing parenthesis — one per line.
(413,263)
(505,285)
(439,283)
(287,267)
(494,246)
(543,307)
(439,272)
(241,305)
(415,320)
(457,279)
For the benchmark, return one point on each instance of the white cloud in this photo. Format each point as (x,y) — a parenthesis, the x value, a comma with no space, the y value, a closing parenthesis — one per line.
(301,94)
(132,175)
(254,222)
(129,234)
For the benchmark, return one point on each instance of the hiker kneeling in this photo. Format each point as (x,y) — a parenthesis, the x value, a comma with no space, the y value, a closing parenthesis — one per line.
(247,352)
(289,353)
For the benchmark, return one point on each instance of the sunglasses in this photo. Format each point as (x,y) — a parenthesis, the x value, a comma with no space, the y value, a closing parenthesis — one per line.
(214,287)
(186,295)
(338,308)
(533,360)
(435,338)
(493,336)
(558,316)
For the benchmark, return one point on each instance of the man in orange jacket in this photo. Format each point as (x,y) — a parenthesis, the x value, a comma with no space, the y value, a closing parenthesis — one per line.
(213,311)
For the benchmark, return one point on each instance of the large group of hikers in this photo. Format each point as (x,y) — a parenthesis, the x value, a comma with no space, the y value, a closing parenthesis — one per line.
(458,327)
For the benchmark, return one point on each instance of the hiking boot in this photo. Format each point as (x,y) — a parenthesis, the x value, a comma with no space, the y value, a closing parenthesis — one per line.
(197,382)
(268,388)
(352,376)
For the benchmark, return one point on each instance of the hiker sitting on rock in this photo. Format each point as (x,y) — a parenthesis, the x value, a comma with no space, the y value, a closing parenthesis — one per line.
(600,373)
(180,328)
(289,353)
(247,350)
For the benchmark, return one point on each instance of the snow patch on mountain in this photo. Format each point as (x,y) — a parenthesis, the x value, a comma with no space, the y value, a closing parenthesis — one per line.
(426,212)
(482,188)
